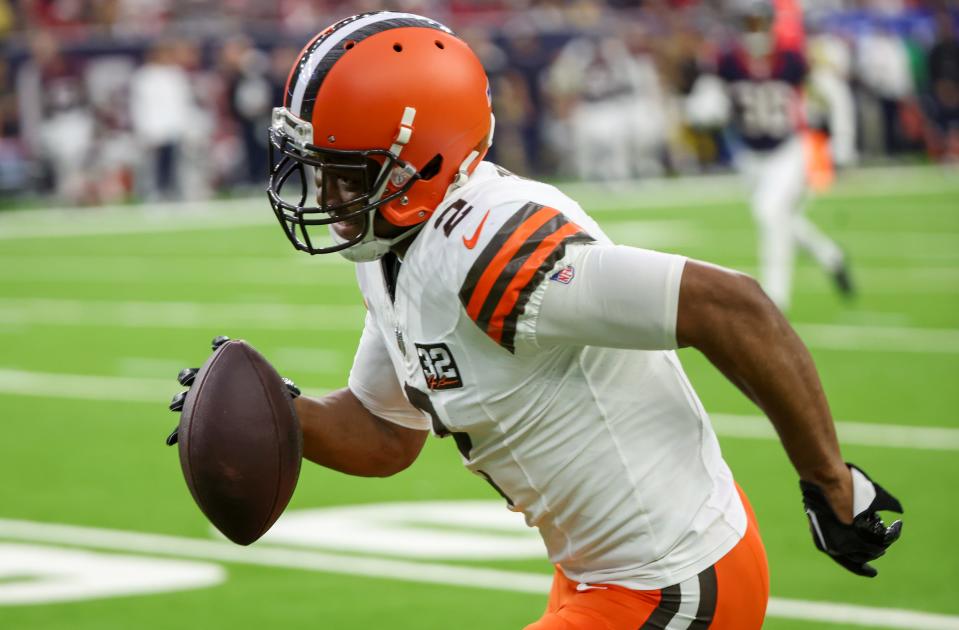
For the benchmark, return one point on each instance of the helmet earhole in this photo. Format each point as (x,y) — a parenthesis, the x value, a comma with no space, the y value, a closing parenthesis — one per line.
(398,47)
(349,44)
(432,168)
(439,44)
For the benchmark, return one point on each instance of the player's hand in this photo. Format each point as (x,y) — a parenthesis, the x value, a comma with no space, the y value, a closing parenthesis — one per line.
(188,375)
(853,546)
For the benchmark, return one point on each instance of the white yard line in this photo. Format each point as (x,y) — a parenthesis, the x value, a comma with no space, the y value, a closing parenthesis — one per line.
(850,433)
(880,338)
(135,223)
(158,390)
(293,360)
(930,245)
(276,557)
(320,318)
(707,192)
(176,315)
(854,615)
(714,191)
(212,270)
(421,572)
(665,234)
(319,272)
(87,387)
(161,210)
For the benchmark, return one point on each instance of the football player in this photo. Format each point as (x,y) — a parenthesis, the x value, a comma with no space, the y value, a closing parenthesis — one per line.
(755,91)
(500,314)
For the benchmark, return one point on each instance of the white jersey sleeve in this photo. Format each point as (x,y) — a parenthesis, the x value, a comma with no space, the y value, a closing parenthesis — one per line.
(612,296)
(373,381)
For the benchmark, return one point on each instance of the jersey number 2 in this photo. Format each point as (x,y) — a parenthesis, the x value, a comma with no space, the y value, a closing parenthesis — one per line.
(456,212)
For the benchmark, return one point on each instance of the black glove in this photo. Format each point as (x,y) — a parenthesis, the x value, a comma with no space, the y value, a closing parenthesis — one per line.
(188,375)
(867,538)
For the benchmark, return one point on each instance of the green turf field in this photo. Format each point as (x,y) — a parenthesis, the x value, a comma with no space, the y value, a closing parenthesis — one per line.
(100,308)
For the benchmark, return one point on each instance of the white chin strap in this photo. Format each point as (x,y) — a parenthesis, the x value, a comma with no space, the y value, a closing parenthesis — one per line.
(372,247)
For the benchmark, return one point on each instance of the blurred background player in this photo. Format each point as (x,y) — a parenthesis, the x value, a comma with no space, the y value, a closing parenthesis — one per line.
(756,88)
(942,101)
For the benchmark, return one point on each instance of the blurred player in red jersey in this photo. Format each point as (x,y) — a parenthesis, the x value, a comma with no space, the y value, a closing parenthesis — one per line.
(756,90)
(500,314)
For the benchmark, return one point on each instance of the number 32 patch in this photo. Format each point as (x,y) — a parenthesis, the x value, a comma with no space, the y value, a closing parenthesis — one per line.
(438,365)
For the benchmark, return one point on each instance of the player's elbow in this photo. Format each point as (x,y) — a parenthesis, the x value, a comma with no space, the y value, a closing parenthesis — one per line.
(397,451)
(751,300)
(718,305)
(390,463)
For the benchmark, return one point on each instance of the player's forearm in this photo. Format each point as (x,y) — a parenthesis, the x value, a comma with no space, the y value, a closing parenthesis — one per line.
(339,433)
(743,334)
(766,359)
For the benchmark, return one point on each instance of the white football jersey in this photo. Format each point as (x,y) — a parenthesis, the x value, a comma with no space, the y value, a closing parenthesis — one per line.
(608,452)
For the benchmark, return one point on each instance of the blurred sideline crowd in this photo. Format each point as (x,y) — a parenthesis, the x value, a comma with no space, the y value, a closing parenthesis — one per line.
(111,100)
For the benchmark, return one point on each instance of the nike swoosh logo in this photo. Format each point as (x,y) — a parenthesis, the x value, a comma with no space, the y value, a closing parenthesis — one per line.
(471,242)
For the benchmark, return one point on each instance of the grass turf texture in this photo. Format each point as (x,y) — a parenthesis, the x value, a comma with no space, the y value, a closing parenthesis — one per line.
(83,293)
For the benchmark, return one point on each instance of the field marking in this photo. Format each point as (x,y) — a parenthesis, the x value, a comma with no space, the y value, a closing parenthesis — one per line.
(852,614)
(91,387)
(712,191)
(634,228)
(33,574)
(149,218)
(177,315)
(146,223)
(702,192)
(415,530)
(941,245)
(880,338)
(284,316)
(157,391)
(88,387)
(422,572)
(850,433)
(666,234)
(319,271)
(211,270)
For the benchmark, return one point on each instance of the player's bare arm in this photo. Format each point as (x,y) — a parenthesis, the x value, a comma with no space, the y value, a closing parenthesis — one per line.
(728,317)
(340,433)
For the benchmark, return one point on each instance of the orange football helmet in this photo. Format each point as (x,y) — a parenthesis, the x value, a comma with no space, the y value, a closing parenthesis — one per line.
(394,100)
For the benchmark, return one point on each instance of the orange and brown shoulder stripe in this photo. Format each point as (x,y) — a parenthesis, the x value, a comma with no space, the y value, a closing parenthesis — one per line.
(498,285)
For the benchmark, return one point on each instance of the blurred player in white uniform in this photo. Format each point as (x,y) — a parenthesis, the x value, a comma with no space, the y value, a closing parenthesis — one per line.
(756,89)
(501,315)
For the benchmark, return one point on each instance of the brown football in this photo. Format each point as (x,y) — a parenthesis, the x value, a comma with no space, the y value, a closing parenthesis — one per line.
(240,442)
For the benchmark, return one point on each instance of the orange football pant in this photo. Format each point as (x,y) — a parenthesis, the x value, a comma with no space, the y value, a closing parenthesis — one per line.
(730,595)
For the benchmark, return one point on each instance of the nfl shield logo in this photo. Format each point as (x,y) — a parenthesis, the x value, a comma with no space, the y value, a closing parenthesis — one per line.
(564,275)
